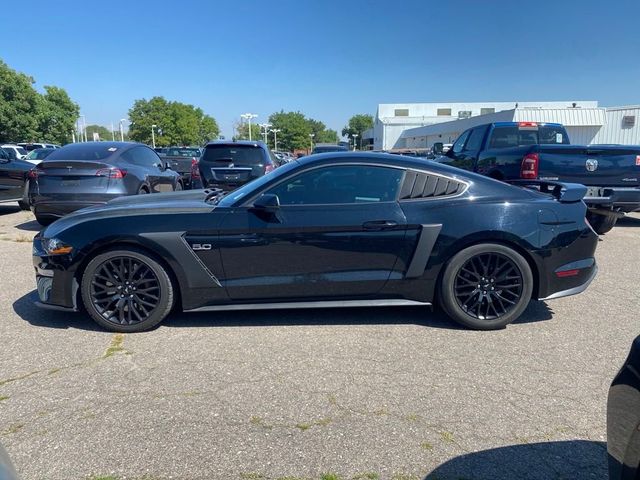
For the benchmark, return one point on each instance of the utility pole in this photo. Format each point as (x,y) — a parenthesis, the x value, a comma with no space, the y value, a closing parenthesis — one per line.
(248,117)
(275,138)
(153,136)
(113,134)
(266,130)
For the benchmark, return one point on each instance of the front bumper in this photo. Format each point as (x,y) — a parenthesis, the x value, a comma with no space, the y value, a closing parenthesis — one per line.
(624,198)
(57,286)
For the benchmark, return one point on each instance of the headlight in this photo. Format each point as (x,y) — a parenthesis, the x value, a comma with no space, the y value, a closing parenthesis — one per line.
(54,246)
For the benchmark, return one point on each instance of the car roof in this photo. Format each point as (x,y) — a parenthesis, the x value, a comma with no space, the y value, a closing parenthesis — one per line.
(515,124)
(253,143)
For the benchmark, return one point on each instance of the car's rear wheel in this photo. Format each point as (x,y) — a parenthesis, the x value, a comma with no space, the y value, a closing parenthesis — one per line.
(126,291)
(601,224)
(178,186)
(143,191)
(486,286)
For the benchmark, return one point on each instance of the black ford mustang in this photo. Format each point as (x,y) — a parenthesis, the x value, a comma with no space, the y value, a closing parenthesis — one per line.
(338,229)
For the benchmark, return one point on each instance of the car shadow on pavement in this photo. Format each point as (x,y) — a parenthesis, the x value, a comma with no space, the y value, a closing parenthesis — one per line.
(26,309)
(628,222)
(9,208)
(568,460)
(30,226)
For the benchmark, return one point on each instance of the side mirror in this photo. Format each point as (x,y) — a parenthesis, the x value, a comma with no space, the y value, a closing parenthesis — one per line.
(267,202)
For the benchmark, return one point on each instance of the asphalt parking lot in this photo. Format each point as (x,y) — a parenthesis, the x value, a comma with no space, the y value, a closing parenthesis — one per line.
(388,393)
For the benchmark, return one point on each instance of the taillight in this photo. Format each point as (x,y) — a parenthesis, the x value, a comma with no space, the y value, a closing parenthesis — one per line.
(111,173)
(195,171)
(568,273)
(529,166)
(33,174)
(269,168)
(527,124)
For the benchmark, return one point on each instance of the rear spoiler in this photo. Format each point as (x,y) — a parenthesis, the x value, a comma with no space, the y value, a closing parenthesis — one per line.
(564,192)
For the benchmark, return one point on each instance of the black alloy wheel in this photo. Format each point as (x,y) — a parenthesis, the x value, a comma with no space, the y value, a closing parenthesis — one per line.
(126,291)
(486,286)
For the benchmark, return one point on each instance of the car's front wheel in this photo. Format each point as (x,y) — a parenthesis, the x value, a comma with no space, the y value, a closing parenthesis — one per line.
(601,224)
(486,286)
(126,290)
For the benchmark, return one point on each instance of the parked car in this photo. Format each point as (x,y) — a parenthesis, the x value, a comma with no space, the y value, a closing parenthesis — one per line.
(7,471)
(32,146)
(79,175)
(530,150)
(228,165)
(623,419)
(36,156)
(14,151)
(160,150)
(14,180)
(323,148)
(183,160)
(330,230)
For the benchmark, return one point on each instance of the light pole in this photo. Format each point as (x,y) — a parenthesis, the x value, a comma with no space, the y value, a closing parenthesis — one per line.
(84,127)
(265,126)
(113,134)
(311,135)
(153,136)
(354,135)
(275,138)
(248,117)
(122,120)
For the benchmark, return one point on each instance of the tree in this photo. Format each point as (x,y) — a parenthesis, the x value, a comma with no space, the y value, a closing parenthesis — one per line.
(58,116)
(357,125)
(20,106)
(103,132)
(294,130)
(326,136)
(175,123)
(242,131)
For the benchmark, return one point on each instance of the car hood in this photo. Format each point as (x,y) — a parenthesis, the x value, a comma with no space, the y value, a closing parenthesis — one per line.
(191,201)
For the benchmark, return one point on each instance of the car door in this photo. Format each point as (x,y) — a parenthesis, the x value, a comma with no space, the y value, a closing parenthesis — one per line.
(153,168)
(337,232)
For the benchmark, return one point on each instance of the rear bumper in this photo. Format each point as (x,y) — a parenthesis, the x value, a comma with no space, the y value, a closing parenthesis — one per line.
(60,209)
(576,289)
(625,198)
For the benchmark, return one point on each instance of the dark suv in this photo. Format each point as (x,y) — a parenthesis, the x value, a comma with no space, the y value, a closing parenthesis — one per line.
(227,165)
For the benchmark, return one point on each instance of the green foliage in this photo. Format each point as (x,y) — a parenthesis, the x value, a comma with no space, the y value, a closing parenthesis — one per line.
(103,132)
(26,115)
(294,130)
(176,123)
(242,131)
(357,124)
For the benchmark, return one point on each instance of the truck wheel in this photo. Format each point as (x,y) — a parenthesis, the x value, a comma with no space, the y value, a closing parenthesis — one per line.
(601,223)
(23,205)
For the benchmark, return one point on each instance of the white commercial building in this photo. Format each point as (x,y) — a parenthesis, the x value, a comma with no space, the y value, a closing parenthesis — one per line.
(585,126)
(393,119)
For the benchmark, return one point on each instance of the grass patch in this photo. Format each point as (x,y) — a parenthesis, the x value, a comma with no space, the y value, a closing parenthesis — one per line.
(330,476)
(14,428)
(366,476)
(426,446)
(446,437)
(3,398)
(259,422)
(318,423)
(21,377)
(23,239)
(115,347)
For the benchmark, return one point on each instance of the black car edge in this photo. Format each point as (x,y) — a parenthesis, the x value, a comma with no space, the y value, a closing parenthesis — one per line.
(623,419)
(330,230)
(14,180)
(229,165)
(86,174)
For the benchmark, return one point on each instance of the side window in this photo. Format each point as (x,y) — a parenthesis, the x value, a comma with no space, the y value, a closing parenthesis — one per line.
(340,184)
(4,154)
(459,143)
(475,139)
(141,156)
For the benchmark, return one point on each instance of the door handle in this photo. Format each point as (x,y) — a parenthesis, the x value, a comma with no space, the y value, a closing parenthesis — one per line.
(379,225)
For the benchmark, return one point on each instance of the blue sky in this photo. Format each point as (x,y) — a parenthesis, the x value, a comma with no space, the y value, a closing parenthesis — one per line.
(329,59)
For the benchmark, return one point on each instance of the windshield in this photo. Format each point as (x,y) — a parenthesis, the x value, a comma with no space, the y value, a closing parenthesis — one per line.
(182,152)
(515,136)
(329,148)
(84,151)
(21,150)
(39,154)
(236,154)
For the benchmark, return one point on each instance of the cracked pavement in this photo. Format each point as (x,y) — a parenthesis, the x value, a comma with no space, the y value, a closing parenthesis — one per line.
(392,393)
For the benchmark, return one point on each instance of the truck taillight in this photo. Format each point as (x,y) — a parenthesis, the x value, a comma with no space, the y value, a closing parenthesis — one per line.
(527,124)
(529,166)
(269,168)
(116,173)
(195,171)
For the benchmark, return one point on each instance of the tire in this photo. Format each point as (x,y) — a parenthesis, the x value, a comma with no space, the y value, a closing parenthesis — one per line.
(143,191)
(103,279)
(23,205)
(464,302)
(44,221)
(601,223)
(178,187)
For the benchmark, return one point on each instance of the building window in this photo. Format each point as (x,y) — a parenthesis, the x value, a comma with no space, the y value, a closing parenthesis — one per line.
(444,112)
(401,112)
(485,111)
(465,114)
